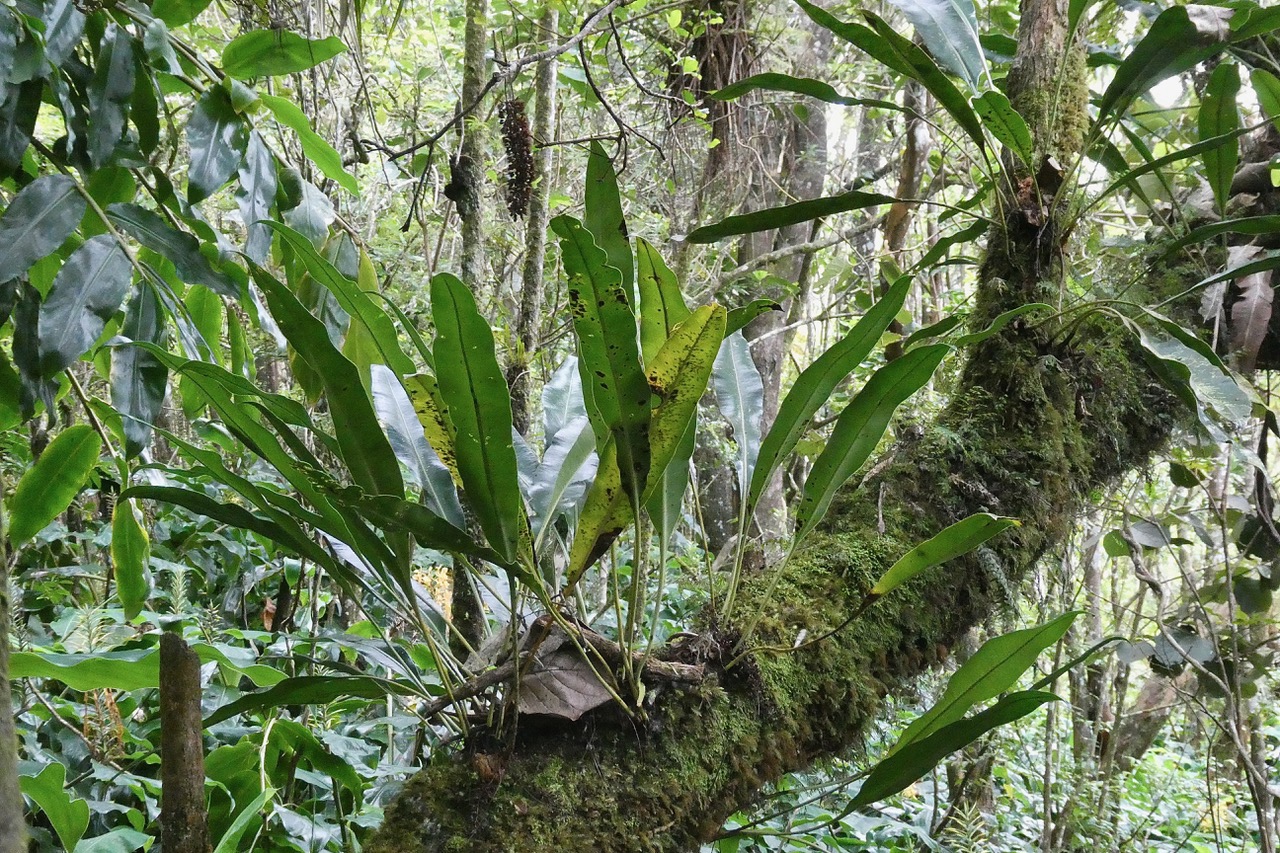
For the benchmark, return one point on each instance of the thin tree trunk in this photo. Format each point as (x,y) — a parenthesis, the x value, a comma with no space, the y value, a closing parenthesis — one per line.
(13,829)
(184,825)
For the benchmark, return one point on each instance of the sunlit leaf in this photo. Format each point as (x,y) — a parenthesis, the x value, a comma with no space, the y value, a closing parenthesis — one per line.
(49,486)
(957,539)
(130,551)
(270,53)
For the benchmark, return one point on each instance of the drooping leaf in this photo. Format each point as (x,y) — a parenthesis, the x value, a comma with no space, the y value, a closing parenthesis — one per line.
(790,214)
(609,357)
(739,393)
(1193,377)
(351,298)
(110,94)
(860,427)
(1129,177)
(396,414)
(479,405)
(130,551)
(365,448)
(256,195)
(138,379)
(37,221)
(1179,38)
(310,690)
(901,768)
(217,137)
(814,385)
(603,216)
(998,324)
(67,813)
(179,247)
(1251,313)
(49,486)
(1003,122)
(86,292)
(992,670)
(313,146)
(819,89)
(270,53)
(959,538)
(1220,116)
(949,28)
(662,306)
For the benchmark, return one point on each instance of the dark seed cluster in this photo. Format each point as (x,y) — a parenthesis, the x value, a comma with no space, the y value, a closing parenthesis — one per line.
(519,147)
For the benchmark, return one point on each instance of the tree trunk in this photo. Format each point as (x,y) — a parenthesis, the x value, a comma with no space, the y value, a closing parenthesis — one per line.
(13,829)
(1038,420)
(184,824)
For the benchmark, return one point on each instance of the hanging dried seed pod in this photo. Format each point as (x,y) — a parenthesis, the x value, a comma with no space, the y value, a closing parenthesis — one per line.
(519,147)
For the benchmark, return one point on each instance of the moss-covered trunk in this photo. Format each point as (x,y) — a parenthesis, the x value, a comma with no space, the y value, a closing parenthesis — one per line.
(1034,426)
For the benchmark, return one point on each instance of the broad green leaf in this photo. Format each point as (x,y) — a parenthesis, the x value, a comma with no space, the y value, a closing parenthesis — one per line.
(1220,116)
(217,137)
(122,839)
(740,317)
(819,89)
(901,768)
(365,448)
(860,428)
(138,379)
(479,406)
(949,28)
(678,375)
(86,293)
(63,27)
(563,464)
(562,399)
(183,249)
(19,106)
(270,53)
(603,216)
(37,221)
(1267,87)
(959,538)
(232,840)
(130,551)
(316,149)
(1195,379)
(814,385)
(606,512)
(1180,38)
(107,186)
(662,306)
(1252,20)
(408,440)
(739,393)
(351,298)
(49,486)
(609,358)
(667,494)
(1003,122)
(998,324)
(789,214)
(1252,225)
(993,669)
(899,54)
(255,196)
(175,13)
(68,814)
(110,94)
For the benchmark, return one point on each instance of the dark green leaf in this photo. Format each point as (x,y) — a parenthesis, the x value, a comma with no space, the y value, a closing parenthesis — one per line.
(992,670)
(957,539)
(309,690)
(37,221)
(740,317)
(900,769)
(801,86)
(86,292)
(944,244)
(609,357)
(269,53)
(1180,38)
(49,486)
(110,94)
(1219,117)
(175,13)
(256,195)
(63,27)
(130,551)
(1252,225)
(217,137)
(179,247)
(479,404)
(860,428)
(364,446)
(228,513)
(138,379)
(603,216)
(19,106)
(791,214)
(1003,122)
(814,385)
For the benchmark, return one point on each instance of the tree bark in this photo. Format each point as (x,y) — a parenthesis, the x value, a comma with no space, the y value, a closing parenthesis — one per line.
(13,828)
(184,824)
(1039,419)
